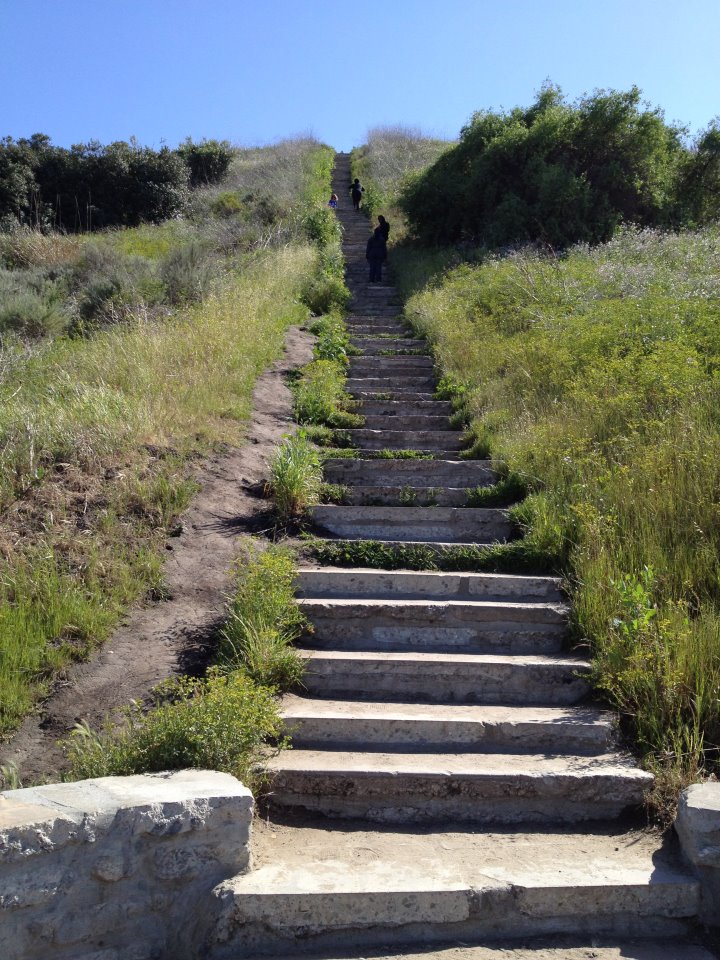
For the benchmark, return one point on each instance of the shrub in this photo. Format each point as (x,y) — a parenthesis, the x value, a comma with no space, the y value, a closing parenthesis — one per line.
(219,723)
(207,161)
(325,293)
(187,274)
(295,477)
(556,173)
(30,315)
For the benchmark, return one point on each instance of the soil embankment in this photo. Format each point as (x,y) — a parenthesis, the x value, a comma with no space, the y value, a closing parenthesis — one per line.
(172,635)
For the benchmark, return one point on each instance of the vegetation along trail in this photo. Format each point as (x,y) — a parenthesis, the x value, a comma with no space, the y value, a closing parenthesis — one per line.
(450,778)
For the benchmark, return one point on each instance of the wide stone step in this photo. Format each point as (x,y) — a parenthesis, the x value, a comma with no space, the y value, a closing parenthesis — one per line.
(386,439)
(465,787)
(389,366)
(380,345)
(446,677)
(405,408)
(410,472)
(351,893)
(544,948)
(419,524)
(350,724)
(479,626)
(365,325)
(356,386)
(395,421)
(423,585)
(368,496)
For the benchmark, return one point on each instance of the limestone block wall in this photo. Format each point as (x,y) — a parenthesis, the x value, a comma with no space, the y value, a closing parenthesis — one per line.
(698,827)
(119,868)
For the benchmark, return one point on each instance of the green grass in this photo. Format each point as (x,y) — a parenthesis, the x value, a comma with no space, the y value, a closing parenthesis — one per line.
(263,621)
(594,378)
(221,722)
(228,719)
(80,546)
(295,477)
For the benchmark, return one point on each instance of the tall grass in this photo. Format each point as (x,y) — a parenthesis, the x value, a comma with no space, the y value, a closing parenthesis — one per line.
(78,545)
(387,161)
(594,379)
(295,477)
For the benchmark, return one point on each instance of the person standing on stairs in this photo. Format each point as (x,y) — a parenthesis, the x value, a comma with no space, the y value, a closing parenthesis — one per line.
(384,226)
(356,190)
(376,254)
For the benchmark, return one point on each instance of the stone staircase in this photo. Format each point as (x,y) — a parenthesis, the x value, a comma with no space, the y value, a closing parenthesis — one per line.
(449,779)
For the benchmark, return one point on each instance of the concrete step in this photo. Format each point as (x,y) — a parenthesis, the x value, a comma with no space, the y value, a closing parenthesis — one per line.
(349,724)
(396,396)
(390,366)
(465,787)
(394,421)
(386,439)
(405,408)
(347,892)
(418,524)
(366,326)
(410,472)
(554,948)
(369,496)
(400,384)
(379,345)
(472,626)
(525,680)
(423,585)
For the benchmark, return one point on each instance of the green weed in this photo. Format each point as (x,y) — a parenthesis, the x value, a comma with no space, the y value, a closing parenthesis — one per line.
(295,477)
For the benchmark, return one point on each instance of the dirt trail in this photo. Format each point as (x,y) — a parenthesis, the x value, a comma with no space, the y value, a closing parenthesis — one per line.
(168,637)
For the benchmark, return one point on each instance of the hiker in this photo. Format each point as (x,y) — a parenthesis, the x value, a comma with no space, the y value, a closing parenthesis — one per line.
(384,227)
(375,254)
(357,190)
(333,201)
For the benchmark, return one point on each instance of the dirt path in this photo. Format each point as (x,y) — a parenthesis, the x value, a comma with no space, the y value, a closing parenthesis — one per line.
(168,637)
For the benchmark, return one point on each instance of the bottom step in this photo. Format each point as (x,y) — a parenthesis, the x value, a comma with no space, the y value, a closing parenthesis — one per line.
(354,889)
(554,949)
(467,787)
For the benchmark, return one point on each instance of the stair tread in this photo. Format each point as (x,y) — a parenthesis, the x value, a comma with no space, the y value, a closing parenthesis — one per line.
(295,707)
(449,659)
(519,768)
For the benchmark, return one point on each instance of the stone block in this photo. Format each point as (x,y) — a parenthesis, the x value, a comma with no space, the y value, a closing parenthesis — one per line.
(88,868)
(698,827)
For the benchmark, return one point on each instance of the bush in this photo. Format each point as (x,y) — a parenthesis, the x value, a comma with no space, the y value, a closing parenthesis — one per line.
(207,161)
(219,723)
(324,294)
(29,315)
(556,173)
(187,274)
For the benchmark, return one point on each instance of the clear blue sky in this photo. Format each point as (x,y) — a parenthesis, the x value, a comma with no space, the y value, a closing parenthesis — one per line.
(253,71)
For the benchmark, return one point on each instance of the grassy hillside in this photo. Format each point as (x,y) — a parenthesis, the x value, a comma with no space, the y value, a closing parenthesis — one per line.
(157,337)
(593,378)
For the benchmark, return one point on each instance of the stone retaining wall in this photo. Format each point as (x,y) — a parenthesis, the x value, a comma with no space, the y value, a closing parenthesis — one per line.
(119,868)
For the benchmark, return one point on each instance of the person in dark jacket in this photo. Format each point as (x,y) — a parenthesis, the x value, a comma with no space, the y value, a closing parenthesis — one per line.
(356,191)
(384,227)
(376,254)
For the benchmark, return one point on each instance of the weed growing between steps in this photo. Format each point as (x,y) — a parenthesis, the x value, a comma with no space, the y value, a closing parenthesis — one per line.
(593,378)
(263,622)
(515,557)
(225,720)
(295,477)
